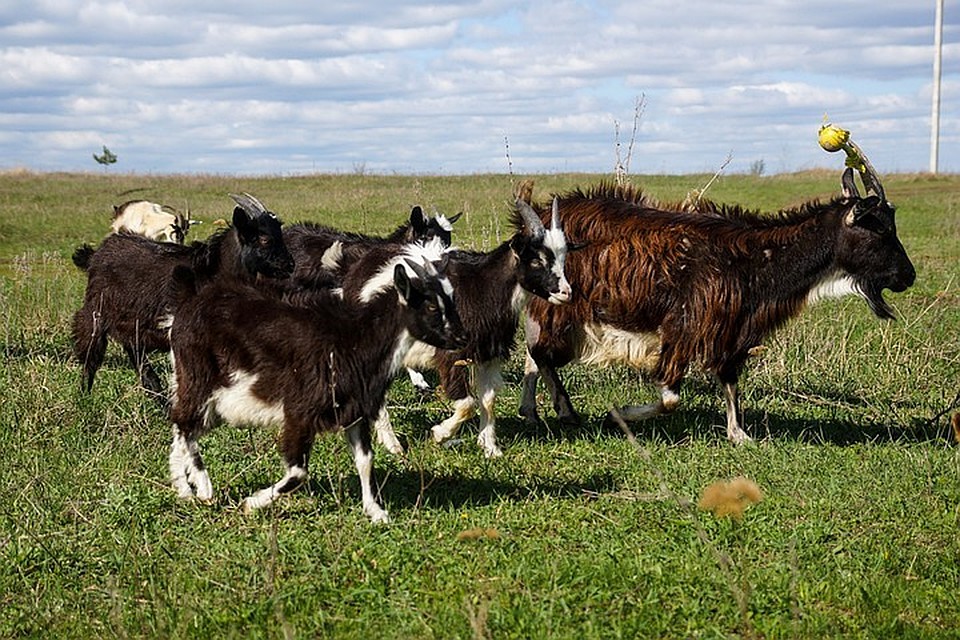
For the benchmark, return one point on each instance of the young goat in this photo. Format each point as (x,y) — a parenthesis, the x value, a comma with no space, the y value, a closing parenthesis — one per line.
(127,279)
(151,220)
(660,289)
(492,288)
(248,358)
(322,253)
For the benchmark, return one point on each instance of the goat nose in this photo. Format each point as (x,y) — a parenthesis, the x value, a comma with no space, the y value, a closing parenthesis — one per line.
(561,296)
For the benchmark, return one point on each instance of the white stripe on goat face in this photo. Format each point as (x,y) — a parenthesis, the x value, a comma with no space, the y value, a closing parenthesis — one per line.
(557,243)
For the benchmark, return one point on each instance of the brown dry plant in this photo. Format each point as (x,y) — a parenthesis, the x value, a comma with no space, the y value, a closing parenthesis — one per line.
(730,499)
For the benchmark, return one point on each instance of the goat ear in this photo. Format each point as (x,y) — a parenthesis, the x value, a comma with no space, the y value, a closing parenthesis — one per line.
(519,243)
(417,220)
(849,184)
(401,281)
(865,215)
(243,223)
(454,217)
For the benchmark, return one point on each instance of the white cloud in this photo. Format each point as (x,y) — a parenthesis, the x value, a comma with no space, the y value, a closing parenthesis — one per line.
(438,86)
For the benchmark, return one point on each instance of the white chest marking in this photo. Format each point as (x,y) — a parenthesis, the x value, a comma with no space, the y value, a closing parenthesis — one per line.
(420,356)
(835,285)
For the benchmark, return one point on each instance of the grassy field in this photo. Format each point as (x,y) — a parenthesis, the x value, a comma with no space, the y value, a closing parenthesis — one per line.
(572,534)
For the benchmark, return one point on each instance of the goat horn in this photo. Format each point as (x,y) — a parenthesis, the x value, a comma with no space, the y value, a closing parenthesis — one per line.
(530,218)
(833,138)
(858,160)
(418,270)
(555,214)
(251,205)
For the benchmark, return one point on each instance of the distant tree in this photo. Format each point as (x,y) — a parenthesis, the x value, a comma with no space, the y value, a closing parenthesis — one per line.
(106,158)
(757,167)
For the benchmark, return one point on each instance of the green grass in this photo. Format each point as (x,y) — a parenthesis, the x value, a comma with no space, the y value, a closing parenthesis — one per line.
(856,535)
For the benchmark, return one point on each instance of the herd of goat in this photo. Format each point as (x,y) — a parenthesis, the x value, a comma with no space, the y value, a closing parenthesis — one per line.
(305,326)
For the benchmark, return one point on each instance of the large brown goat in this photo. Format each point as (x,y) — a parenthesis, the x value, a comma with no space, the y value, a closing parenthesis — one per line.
(662,289)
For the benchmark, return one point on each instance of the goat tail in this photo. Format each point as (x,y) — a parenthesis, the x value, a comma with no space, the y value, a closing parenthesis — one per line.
(81,257)
(182,285)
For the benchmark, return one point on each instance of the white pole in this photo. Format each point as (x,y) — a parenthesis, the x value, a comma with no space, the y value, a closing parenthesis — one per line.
(935,119)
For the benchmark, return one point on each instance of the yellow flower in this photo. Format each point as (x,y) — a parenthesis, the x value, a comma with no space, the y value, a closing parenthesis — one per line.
(833,138)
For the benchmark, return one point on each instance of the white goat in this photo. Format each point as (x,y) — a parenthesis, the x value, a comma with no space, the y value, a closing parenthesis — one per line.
(157,222)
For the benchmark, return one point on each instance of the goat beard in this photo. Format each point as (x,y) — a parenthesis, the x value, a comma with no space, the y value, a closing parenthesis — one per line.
(873,295)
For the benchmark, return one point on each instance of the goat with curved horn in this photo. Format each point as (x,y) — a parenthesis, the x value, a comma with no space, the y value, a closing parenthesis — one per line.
(250,205)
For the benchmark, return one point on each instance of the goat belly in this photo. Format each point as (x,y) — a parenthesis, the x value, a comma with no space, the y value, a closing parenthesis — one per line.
(604,344)
(237,403)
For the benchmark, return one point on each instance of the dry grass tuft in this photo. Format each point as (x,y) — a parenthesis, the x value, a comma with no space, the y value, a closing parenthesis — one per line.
(479,533)
(730,499)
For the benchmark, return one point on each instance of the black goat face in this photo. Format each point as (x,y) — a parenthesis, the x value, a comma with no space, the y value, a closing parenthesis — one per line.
(431,315)
(262,249)
(424,229)
(871,253)
(541,265)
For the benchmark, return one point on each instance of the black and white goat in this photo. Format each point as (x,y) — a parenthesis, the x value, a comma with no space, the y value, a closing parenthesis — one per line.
(492,289)
(323,253)
(248,358)
(127,279)
(151,220)
(660,289)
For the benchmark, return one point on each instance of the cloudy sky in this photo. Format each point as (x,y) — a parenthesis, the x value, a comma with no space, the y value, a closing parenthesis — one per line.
(395,86)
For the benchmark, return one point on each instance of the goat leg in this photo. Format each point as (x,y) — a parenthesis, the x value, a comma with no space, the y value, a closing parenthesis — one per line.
(419,382)
(358,436)
(668,402)
(295,476)
(385,433)
(89,343)
(148,376)
(188,474)
(735,432)
(455,380)
(295,444)
(528,393)
(566,414)
(488,382)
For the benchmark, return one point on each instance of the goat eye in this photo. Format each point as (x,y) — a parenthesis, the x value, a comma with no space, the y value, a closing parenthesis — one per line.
(431,307)
(536,263)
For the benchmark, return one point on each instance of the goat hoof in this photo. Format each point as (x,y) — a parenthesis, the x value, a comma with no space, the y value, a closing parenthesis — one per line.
(531,418)
(571,420)
(425,392)
(492,453)
(612,422)
(379,517)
